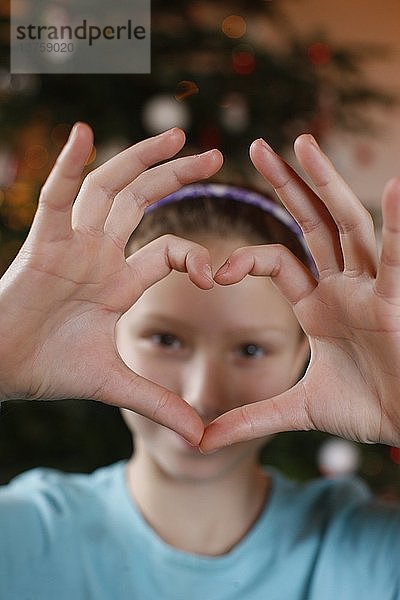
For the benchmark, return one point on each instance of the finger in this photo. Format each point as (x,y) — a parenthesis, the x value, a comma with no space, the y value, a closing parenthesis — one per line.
(157,259)
(316,223)
(126,389)
(152,185)
(388,277)
(102,185)
(286,412)
(274,260)
(53,218)
(354,222)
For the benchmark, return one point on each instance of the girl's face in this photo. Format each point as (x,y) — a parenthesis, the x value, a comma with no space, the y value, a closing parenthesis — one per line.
(217,349)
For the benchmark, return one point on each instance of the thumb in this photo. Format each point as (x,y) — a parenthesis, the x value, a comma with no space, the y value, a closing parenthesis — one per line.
(125,388)
(286,412)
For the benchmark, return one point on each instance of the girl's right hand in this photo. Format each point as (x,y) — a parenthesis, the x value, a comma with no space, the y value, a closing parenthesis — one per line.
(64,293)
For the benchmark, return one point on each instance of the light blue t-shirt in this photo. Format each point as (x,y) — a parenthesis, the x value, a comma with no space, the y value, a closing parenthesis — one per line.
(81,537)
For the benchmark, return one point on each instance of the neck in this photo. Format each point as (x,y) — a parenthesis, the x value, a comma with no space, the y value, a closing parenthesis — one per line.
(206,517)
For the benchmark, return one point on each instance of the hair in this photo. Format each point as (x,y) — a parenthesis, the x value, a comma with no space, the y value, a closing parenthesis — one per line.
(222,218)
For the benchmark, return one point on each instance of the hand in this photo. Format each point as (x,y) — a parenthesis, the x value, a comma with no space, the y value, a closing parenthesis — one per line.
(351,315)
(62,296)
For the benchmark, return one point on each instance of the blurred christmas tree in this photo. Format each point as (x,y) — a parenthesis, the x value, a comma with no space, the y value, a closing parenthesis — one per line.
(227,72)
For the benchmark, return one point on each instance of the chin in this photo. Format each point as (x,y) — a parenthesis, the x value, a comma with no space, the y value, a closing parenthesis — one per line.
(182,462)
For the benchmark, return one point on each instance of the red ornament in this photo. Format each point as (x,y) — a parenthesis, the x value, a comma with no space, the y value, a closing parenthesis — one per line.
(395,455)
(243,62)
(209,137)
(319,53)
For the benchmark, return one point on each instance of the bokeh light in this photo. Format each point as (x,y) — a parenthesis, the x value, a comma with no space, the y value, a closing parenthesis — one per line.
(395,455)
(243,61)
(234,26)
(36,156)
(18,206)
(338,457)
(162,112)
(319,53)
(234,112)
(185,89)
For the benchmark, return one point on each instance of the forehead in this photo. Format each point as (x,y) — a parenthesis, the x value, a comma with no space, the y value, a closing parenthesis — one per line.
(252,303)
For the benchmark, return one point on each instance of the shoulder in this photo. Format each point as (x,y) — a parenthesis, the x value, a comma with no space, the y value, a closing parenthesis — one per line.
(43,502)
(358,536)
(352,537)
(341,511)
(52,485)
(327,498)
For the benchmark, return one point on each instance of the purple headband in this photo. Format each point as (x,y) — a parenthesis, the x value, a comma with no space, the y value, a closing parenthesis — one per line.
(238,194)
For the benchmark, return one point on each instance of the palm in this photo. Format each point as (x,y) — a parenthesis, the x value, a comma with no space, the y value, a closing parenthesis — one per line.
(351,392)
(85,285)
(71,282)
(351,315)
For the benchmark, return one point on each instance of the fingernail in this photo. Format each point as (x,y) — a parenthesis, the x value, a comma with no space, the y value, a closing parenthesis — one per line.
(73,131)
(313,141)
(223,268)
(208,273)
(172,131)
(207,153)
(266,146)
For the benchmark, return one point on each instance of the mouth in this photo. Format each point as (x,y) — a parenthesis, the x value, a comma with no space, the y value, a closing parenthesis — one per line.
(185,446)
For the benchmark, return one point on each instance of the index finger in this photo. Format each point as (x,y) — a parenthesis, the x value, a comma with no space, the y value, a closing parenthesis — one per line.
(101,186)
(57,199)
(53,217)
(286,412)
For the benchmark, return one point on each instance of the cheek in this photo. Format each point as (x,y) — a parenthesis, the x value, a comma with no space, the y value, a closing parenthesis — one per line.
(158,371)
(275,376)
(147,365)
(139,425)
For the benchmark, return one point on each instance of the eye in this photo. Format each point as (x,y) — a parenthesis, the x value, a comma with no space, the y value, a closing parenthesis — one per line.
(166,340)
(251,351)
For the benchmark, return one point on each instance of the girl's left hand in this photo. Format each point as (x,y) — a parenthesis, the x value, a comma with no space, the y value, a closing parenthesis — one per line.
(351,315)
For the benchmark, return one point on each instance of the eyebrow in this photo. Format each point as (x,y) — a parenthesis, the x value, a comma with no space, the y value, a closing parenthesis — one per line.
(247,330)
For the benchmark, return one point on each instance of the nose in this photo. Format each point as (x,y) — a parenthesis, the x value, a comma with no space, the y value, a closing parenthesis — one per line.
(206,387)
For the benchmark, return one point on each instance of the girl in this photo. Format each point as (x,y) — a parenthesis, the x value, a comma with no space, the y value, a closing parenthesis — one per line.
(205,364)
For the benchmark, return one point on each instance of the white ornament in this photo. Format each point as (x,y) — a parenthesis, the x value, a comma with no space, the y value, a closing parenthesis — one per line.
(338,457)
(163,112)
(235,113)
